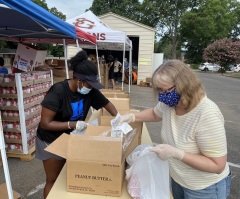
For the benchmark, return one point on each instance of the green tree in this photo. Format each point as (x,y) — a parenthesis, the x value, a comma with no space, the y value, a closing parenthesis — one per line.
(212,20)
(53,10)
(224,52)
(165,16)
(57,13)
(2,44)
(51,49)
(125,8)
(164,45)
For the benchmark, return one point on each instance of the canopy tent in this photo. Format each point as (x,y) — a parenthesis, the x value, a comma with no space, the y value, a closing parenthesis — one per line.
(107,38)
(24,21)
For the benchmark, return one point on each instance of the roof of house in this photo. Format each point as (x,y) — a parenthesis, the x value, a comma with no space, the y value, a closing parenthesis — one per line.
(128,20)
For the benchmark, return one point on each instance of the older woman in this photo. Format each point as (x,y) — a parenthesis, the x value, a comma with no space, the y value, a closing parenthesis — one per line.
(193,133)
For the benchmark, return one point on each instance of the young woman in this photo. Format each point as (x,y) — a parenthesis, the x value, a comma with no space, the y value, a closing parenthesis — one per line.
(65,108)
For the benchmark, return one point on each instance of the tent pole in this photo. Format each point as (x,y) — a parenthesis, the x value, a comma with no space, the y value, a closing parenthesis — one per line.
(99,74)
(5,164)
(123,72)
(65,58)
(124,48)
(78,47)
(130,67)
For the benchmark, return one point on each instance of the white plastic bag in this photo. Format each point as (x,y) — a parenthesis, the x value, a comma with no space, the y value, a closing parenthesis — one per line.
(148,175)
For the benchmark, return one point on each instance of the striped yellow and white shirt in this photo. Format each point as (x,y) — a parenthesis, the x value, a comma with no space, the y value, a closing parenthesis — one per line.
(200,131)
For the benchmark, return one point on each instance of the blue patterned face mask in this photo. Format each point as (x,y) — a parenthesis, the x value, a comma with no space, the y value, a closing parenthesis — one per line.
(170,98)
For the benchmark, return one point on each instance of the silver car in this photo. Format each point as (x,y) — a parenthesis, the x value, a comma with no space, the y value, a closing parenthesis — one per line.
(209,67)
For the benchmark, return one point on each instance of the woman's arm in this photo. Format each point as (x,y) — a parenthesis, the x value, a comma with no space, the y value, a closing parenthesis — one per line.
(197,161)
(111,109)
(203,163)
(49,124)
(147,115)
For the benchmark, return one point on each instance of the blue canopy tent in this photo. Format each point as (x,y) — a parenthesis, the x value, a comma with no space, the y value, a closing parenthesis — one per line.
(25,21)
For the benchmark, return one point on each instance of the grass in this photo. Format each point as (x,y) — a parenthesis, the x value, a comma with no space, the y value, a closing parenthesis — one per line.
(233,74)
(194,66)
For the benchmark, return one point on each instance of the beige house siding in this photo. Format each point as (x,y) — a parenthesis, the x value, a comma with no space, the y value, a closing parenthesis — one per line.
(146,41)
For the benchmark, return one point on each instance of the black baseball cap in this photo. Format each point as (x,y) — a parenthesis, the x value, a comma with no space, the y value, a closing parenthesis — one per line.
(91,79)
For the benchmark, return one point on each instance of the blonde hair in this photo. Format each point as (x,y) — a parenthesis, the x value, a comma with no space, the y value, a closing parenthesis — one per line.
(186,82)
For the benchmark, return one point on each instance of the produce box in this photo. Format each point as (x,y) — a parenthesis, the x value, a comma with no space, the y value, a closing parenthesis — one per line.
(28,57)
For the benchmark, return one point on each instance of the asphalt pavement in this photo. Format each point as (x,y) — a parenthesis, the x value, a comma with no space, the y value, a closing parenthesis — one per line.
(28,178)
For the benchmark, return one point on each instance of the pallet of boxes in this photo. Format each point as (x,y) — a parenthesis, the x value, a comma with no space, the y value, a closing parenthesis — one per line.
(147,82)
(20,96)
(96,160)
(59,70)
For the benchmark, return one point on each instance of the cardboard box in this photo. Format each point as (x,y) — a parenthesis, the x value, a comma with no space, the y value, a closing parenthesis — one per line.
(120,101)
(95,164)
(4,193)
(116,95)
(115,90)
(28,57)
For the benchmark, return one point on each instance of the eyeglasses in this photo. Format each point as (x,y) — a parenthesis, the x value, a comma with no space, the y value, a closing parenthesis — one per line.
(167,90)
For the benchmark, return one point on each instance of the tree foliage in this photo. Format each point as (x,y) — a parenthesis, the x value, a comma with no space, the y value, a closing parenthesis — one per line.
(224,52)
(125,8)
(212,20)
(56,51)
(53,10)
(165,16)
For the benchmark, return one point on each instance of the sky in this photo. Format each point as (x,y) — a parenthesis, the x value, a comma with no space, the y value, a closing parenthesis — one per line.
(70,8)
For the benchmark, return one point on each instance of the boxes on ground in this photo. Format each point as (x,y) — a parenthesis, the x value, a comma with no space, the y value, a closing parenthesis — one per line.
(28,57)
(95,164)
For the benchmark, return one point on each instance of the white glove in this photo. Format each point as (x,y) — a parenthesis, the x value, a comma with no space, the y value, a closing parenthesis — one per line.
(81,125)
(165,151)
(127,118)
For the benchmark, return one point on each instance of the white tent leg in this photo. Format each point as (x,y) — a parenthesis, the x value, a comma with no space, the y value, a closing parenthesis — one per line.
(99,74)
(123,74)
(65,58)
(130,69)
(78,47)
(5,164)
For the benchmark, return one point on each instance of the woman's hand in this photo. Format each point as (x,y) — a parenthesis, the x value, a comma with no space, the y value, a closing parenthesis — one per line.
(165,151)
(81,125)
(129,118)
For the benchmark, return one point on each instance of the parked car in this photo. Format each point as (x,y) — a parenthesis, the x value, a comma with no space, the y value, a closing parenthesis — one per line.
(236,68)
(231,67)
(209,67)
